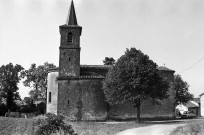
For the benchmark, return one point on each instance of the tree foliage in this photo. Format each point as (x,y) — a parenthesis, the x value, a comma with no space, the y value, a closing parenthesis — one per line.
(134,78)
(181,88)
(109,61)
(36,79)
(9,79)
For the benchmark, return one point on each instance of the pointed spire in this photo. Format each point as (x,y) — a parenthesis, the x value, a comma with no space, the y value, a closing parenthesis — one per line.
(71,18)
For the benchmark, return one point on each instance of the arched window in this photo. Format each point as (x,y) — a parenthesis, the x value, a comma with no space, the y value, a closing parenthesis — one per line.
(70,38)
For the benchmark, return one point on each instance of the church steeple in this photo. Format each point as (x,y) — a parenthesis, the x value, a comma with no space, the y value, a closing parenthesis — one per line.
(71,18)
(69,61)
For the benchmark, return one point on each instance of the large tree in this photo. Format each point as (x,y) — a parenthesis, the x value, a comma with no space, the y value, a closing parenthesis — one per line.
(181,88)
(9,78)
(36,79)
(134,78)
(109,61)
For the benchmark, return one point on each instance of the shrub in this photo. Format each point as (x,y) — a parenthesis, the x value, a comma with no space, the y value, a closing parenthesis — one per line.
(53,124)
(3,109)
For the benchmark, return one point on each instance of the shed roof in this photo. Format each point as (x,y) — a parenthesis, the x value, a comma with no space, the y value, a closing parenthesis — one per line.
(192,104)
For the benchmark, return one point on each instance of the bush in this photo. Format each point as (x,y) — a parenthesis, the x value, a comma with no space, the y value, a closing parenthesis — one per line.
(3,109)
(41,108)
(53,124)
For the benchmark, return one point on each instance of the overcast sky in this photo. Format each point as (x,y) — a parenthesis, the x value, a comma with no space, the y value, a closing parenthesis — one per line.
(169,31)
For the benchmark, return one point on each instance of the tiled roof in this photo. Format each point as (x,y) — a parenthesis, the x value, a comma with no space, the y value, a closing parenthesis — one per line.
(96,66)
(53,70)
(163,68)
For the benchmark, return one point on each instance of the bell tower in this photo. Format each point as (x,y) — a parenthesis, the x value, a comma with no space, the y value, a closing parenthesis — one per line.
(69,59)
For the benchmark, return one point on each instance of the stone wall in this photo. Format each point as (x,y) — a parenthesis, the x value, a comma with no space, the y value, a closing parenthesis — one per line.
(69,62)
(52,87)
(82,99)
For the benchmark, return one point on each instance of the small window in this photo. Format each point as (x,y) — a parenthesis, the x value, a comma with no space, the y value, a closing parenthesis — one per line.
(49,96)
(70,38)
(69,58)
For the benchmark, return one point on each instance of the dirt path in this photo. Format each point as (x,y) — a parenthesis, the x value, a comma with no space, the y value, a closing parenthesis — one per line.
(151,130)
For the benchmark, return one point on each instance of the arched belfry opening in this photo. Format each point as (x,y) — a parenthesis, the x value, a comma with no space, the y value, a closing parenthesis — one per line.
(70,38)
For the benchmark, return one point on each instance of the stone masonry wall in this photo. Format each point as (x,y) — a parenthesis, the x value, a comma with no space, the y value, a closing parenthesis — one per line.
(69,60)
(82,99)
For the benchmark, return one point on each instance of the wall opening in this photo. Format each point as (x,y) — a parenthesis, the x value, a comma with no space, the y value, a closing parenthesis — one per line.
(50,96)
(70,38)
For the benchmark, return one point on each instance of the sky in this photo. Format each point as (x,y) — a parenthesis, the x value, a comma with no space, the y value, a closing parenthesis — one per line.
(170,32)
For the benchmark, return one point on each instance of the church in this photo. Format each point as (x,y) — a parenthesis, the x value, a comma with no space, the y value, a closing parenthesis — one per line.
(75,90)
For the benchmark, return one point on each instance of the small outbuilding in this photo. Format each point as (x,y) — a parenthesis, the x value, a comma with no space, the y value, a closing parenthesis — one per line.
(192,106)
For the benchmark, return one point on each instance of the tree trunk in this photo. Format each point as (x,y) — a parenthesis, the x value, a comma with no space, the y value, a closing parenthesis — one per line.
(137,105)
(138,114)
(36,87)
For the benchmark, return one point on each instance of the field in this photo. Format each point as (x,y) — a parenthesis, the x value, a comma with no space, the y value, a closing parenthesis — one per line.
(23,126)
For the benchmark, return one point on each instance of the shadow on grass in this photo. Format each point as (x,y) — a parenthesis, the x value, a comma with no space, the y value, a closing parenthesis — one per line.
(156,120)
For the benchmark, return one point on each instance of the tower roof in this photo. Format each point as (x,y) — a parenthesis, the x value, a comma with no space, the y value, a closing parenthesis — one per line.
(71,18)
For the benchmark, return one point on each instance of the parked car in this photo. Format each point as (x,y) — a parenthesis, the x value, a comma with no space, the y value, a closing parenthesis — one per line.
(188,114)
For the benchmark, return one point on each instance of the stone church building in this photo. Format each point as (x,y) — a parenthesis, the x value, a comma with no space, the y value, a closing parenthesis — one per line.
(75,90)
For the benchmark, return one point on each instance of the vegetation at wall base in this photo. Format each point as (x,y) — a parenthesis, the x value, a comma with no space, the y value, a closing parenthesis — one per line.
(53,124)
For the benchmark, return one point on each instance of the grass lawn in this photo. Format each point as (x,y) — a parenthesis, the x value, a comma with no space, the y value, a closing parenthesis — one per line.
(16,126)
(23,126)
(103,128)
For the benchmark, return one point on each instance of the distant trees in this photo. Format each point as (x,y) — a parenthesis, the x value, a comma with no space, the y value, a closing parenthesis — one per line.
(30,107)
(182,92)
(36,79)
(10,75)
(135,78)
(109,61)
